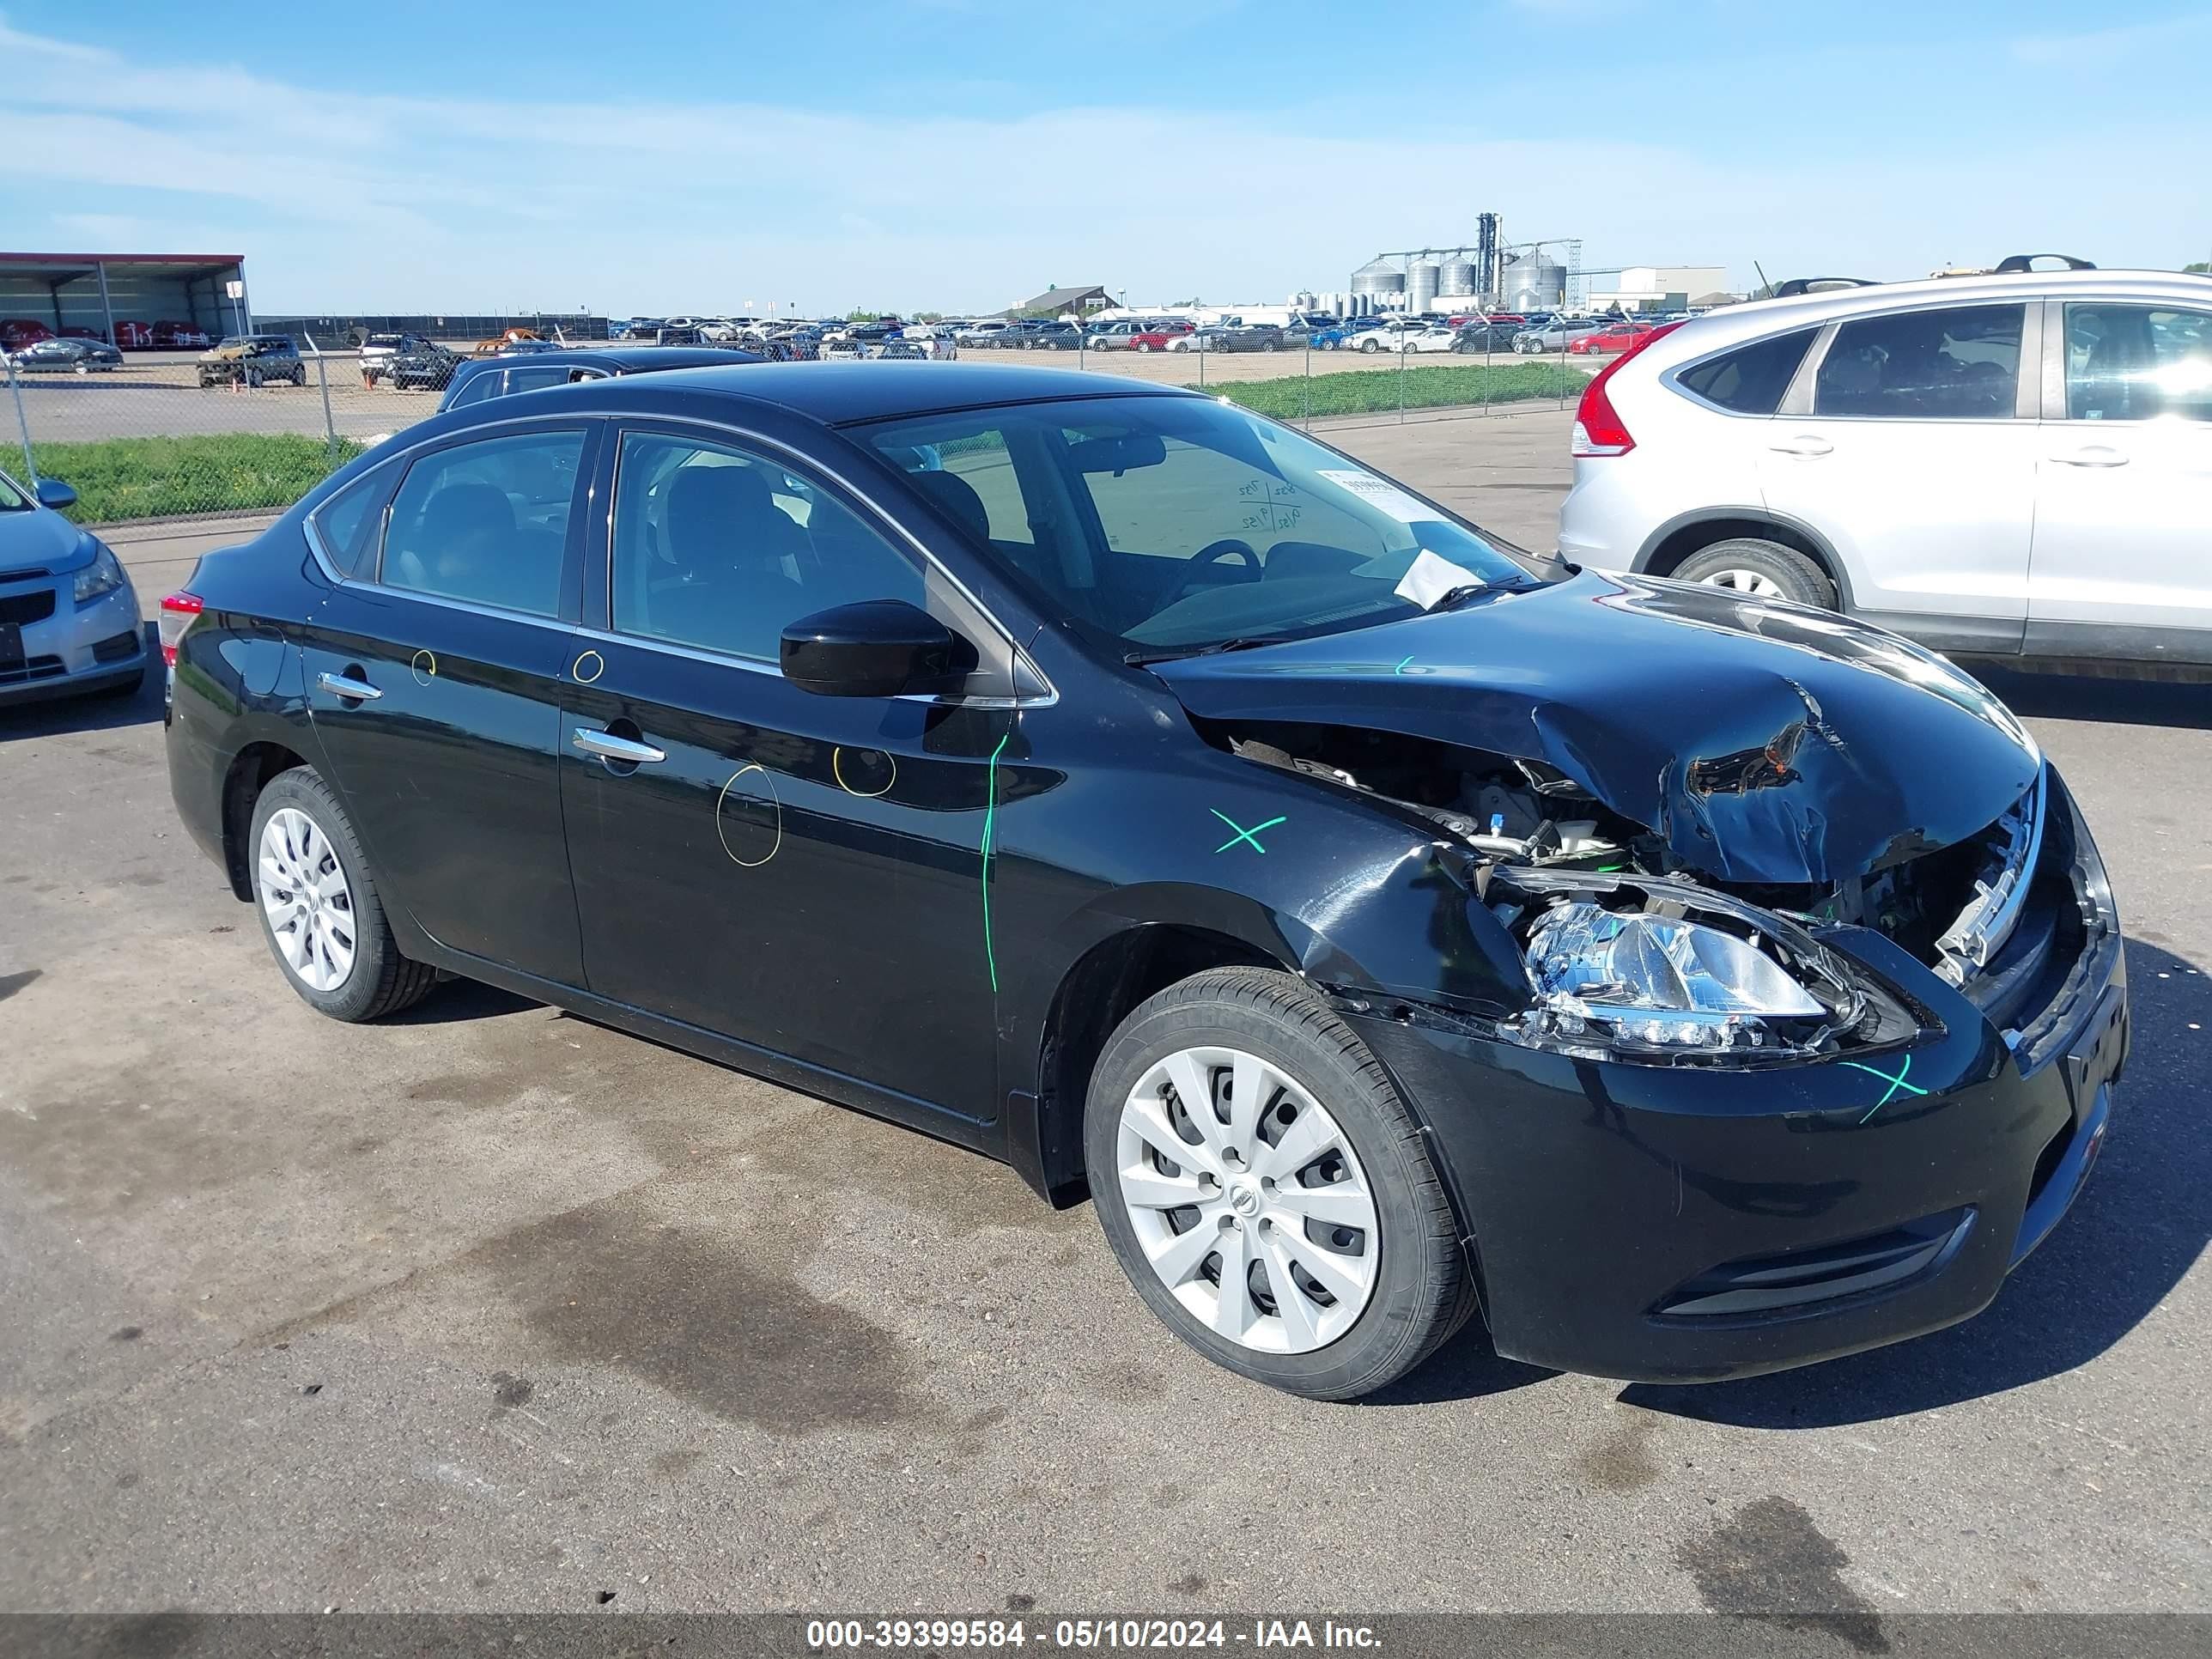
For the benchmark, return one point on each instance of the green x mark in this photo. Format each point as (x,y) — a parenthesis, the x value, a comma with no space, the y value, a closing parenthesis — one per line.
(1895,1084)
(1243,834)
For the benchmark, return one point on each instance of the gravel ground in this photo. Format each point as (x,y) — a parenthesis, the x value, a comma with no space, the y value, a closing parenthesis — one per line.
(489,1308)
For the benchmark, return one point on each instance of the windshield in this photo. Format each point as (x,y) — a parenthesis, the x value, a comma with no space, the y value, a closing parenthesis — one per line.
(12,496)
(1165,525)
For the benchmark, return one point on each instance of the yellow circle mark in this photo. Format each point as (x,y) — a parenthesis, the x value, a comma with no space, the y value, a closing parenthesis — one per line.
(774,800)
(598,668)
(425,668)
(837,771)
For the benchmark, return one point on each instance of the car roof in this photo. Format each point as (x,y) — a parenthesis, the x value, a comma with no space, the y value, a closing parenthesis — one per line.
(627,360)
(834,393)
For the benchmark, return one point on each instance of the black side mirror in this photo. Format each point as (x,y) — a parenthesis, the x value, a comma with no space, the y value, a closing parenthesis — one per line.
(54,493)
(876,649)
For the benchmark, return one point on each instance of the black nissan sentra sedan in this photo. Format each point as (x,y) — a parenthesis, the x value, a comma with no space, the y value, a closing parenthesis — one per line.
(1379,922)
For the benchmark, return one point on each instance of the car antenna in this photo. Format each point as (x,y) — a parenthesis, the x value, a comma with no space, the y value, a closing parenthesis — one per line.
(1763,280)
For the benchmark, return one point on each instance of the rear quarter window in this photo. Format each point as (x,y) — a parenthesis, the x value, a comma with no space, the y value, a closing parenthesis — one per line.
(1750,379)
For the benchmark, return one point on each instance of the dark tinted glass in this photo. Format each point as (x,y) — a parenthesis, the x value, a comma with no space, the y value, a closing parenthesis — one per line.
(529,379)
(1961,364)
(477,387)
(1752,379)
(2137,362)
(487,522)
(346,523)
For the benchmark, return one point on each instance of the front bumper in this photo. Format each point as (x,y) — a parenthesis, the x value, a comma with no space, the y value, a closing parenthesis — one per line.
(76,648)
(1690,1224)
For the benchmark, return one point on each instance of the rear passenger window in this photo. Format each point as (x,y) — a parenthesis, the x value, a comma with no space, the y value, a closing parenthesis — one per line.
(531,380)
(1961,364)
(477,388)
(345,525)
(487,522)
(1751,379)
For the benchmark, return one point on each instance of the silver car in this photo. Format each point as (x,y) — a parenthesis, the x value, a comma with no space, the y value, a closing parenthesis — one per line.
(2014,465)
(69,617)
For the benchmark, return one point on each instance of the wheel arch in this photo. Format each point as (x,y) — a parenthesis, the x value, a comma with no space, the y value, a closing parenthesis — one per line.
(249,773)
(1666,548)
(1101,985)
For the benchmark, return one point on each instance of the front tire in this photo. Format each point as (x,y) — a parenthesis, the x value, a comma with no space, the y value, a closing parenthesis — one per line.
(1291,1229)
(318,907)
(1763,569)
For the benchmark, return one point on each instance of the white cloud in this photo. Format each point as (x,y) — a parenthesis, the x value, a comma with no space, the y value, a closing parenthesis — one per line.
(348,200)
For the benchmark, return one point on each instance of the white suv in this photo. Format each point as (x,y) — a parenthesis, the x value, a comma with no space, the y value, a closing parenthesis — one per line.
(2009,465)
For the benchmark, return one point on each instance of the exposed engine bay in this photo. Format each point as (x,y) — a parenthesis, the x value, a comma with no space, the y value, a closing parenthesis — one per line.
(1605,910)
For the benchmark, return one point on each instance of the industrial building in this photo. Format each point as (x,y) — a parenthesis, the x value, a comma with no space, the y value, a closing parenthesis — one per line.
(1659,288)
(1492,274)
(96,291)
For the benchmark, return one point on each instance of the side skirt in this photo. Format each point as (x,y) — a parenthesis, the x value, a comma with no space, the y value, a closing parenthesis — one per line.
(984,1135)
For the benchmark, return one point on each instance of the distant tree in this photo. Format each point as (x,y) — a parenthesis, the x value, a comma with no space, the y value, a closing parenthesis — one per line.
(929,316)
(862,316)
(2199,267)
(1192,301)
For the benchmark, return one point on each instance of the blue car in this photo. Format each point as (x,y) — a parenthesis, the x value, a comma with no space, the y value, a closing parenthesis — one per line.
(69,617)
(476,380)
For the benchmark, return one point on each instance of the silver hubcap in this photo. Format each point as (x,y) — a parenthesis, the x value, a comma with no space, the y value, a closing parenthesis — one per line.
(306,898)
(1746,581)
(1248,1201)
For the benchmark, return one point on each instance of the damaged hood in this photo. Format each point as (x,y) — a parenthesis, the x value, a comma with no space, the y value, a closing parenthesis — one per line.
(1763,742)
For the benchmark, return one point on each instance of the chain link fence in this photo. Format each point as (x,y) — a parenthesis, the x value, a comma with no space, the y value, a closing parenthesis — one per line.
(158,434)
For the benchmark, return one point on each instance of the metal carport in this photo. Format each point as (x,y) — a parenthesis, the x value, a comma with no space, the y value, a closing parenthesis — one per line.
(94,290)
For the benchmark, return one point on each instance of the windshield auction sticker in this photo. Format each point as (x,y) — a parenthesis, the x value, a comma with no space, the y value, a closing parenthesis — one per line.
(1381,495)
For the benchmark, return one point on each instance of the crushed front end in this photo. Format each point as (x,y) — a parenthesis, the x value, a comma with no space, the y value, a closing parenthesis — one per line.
(1722,1127)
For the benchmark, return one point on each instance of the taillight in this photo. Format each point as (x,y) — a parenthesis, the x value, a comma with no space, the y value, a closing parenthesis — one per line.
(1598,429)
(178,611)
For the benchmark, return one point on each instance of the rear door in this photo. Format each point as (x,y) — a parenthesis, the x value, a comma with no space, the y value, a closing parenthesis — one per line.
(432,675)
(1914,457)
(2123,554)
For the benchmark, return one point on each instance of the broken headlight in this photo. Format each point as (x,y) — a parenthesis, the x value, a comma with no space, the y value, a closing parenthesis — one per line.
(1660,980)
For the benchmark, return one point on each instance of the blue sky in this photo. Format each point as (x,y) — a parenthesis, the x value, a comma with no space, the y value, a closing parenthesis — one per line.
(963,153)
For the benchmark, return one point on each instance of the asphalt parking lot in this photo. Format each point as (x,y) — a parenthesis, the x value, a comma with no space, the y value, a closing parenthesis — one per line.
(488,1307)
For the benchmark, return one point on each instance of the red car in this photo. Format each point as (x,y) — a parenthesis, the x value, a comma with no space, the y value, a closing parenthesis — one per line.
(16,332)
(180,336)
(1156,339)
(1616,336)
(133,336)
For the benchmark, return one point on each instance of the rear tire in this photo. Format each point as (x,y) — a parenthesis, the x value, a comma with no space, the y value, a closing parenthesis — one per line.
(343,924)
(1398,1282)
(1762,569)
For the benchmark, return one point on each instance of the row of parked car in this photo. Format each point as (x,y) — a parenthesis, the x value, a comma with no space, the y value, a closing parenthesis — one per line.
(21,333)
(1495,333)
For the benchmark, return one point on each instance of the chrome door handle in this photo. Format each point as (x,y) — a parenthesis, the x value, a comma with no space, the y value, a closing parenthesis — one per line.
(607,746)
(2092,455)
(342,685)
(1807,446)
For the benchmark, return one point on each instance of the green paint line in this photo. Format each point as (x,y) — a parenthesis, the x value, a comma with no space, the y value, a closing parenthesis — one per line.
(990,816)
(1895,1084)
(1243,834)
(1402,666)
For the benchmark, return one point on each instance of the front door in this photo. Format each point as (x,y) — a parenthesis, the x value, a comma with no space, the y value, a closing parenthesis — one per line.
(1915,463)
(433,683)
(2123,562)
(802,874)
